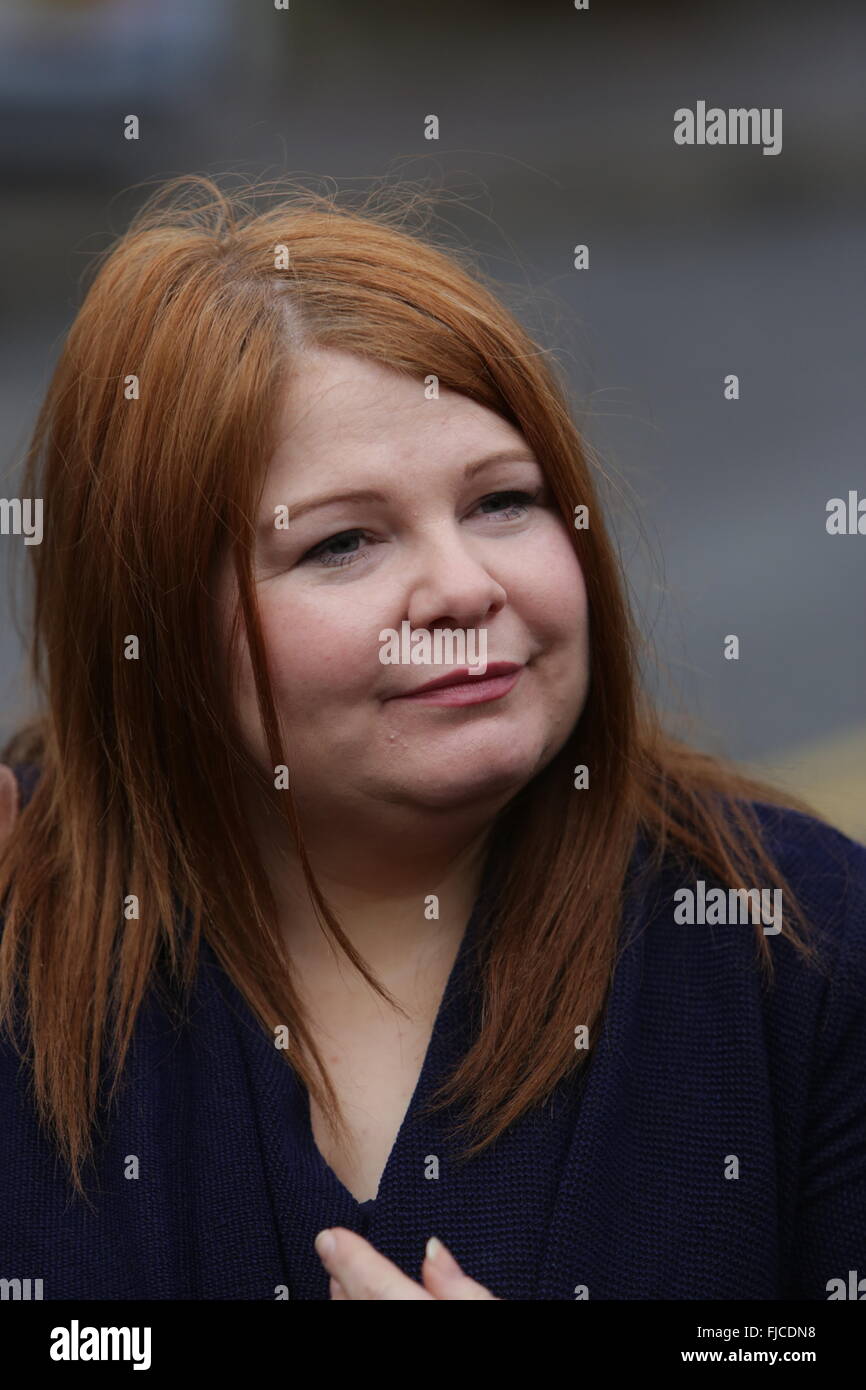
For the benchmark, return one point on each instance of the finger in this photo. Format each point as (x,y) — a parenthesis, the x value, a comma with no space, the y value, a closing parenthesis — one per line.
(445,1279)
(336,1289)
(362,1272)
(8,800)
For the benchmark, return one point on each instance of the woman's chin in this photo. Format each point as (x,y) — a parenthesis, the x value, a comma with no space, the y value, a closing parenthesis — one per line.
(467,787)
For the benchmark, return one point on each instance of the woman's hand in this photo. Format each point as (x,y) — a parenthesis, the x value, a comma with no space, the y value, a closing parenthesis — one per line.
(359,1272)
(8,800)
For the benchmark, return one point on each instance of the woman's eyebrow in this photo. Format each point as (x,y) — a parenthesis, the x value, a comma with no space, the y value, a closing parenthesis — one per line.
(515,455)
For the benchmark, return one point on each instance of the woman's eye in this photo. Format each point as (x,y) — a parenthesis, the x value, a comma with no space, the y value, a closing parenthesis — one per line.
(340,550)
(514,502)
(331,558)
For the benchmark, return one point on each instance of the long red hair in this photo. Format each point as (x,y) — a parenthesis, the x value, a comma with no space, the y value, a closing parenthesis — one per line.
(141,760)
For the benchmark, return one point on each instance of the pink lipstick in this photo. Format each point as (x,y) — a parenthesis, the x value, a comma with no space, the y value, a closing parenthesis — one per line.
(463,688)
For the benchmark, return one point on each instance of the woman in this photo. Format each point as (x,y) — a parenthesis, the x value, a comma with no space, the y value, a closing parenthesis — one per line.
(294,943)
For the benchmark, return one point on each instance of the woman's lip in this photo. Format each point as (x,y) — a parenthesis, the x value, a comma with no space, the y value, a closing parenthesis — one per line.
(467,692)
(464,675)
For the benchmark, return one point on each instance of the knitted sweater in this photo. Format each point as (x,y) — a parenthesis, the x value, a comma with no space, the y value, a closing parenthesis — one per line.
(714,1146)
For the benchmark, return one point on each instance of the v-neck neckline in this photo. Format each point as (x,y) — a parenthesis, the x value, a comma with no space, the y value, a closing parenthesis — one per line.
(448,1026)
(302,1195)
(304,1191)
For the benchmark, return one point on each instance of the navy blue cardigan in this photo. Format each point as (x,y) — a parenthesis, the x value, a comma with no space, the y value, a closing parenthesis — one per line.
(621,1187)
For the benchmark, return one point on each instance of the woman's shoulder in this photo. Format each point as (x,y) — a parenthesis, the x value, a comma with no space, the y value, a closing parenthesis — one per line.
(822,868)
(799,834)
(818,994)
(826,869)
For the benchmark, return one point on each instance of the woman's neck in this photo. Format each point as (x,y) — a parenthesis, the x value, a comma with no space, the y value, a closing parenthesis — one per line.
(398,903)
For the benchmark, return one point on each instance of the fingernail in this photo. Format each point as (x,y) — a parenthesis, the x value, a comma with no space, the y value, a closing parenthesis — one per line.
(325,1244)
(439,1255)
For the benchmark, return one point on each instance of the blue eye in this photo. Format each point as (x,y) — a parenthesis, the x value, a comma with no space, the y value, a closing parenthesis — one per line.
(323,550)
(515,505)
(518,500)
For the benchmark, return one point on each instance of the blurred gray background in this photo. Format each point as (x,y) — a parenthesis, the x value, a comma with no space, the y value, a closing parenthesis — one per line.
(556,128)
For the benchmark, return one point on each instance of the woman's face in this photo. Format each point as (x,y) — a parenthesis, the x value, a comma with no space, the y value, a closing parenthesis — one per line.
(432,542)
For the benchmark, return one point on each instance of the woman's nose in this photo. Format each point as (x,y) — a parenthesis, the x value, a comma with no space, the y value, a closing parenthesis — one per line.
(451,581)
